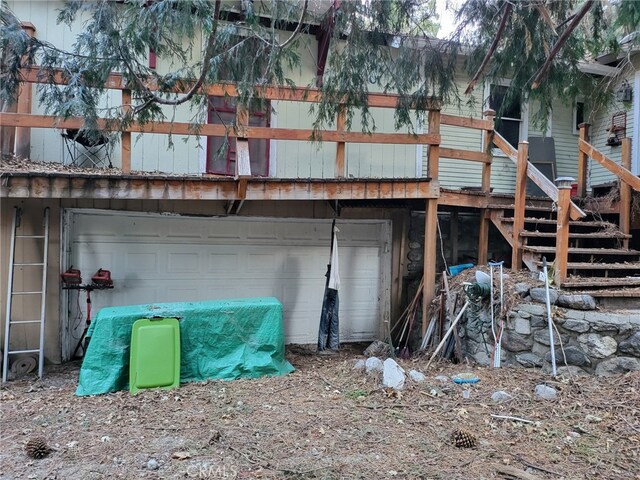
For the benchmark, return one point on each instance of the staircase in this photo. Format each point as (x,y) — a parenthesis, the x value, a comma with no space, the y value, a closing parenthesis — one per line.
(599,257)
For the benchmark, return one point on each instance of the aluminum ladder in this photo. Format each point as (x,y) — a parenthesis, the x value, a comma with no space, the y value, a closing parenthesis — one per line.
(9,322)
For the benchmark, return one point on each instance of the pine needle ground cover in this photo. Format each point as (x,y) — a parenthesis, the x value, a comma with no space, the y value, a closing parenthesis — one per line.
(326,421)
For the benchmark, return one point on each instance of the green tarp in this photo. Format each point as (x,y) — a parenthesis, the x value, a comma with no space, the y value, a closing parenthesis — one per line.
(223,339)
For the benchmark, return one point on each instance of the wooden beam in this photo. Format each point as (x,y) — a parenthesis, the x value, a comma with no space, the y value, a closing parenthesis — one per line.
(22,145)
(562,235)
(519,205)
(126,136)
(582,162)
(483,234)
(298,94)
(243,166)
(467,155)
(546,185)
(621,172)
(433,156)
(466,122)
(340,168)
(483,237)
(429,259)
(158,187)
(218,130)
(625,192)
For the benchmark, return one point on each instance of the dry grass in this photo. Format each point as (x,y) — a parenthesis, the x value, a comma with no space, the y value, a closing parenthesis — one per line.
(325,421)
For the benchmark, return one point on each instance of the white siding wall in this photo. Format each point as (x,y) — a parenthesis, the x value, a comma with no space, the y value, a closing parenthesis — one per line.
(599,134)
(566,141)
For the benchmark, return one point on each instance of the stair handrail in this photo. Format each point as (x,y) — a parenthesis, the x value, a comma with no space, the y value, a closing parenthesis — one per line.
(546,185)
(617,169)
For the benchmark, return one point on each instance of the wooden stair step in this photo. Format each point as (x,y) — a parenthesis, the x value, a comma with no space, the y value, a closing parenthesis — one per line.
(533,208)
(586,282)
(614,234)
(583,251)
(599,266)
(547,221)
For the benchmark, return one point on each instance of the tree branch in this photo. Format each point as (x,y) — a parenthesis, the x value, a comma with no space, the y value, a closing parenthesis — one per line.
(293,35)
(503,23)
(208,54)
(561,41)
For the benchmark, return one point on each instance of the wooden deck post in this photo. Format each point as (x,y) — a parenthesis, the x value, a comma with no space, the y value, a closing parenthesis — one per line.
(562,233)
(22,146)
(341,146)
(243,160)
(126,136)
(625,192)
(519,204)
(430,222)
(483,237)
(582,161)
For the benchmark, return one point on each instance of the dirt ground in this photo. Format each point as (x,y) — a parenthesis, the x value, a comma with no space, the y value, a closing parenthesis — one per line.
(326,421)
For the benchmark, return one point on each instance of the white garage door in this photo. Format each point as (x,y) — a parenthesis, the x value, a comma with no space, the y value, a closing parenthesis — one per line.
(167,258)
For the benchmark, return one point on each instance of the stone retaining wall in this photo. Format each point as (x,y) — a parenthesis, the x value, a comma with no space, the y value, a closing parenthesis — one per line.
(604,343)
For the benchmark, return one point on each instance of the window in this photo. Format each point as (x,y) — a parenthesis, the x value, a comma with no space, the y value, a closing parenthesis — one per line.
(510,110)
(578,115)
(221,154)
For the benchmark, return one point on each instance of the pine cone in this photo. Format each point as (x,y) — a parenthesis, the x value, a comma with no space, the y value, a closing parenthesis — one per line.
(464,439)
(37,448)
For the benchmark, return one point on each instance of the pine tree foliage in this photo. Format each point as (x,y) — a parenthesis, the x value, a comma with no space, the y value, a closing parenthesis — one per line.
(376,45)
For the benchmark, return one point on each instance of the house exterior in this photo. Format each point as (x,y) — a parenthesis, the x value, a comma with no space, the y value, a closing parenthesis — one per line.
(169,232)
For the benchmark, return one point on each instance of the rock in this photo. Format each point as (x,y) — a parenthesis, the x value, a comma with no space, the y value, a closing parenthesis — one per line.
(152,464)
(442,379)
(597,346)
(579,326)
(538,294)
(631,345)
(593,418)
(568,372)
(542,336)
(481,358)
(618,365)
(544,392)
(523,326)
(529,360)
(377,349)
(577,302)
(360,365)
(392,375)
(501,396)
(514,342)
(537,321)
(533,309)
(522,289)
(574,355)
(373,365)
(608,322)
(417,376)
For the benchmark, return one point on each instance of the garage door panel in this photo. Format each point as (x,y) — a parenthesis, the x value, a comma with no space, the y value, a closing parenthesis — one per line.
(159,258)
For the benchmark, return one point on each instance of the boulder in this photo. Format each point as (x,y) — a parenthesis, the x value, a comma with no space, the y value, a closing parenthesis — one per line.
(538,294)
(522,326)
(574,355)
(522,289)
(536,321)
(393,375)
(579,326)
(360,365)
(501,396)
(417,376)
(597,346)
(631,346)
(533,309)
(377,349)
(618,365)
(373,365)
(577,302)
(529,360)
(542,336)
(570,371)
(514,342)
(544,392)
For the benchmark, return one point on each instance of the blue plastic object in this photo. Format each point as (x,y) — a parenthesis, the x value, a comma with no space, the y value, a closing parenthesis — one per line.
(456,269)
(465,378)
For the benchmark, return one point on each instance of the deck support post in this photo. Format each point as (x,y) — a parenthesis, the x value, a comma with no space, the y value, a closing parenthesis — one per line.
(519,204)
(23,134)
(582,161)
(483,237)
(562,234)
(126,136)
(625,192)
(429,259)
(341,147)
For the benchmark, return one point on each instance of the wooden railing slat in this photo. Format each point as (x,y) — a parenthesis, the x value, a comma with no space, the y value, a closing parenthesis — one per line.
(618,170)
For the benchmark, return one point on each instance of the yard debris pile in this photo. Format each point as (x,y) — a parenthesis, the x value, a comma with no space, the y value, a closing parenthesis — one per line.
(328,420)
